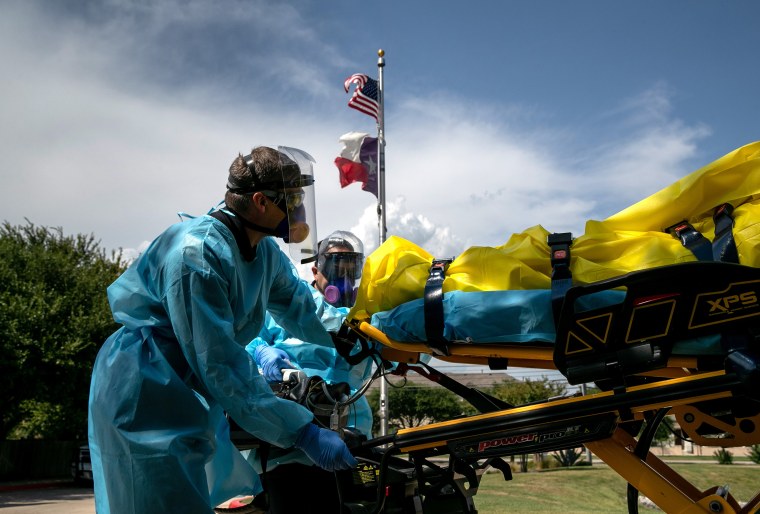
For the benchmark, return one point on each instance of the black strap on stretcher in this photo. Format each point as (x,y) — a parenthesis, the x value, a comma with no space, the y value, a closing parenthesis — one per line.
(434,307)
(562,278)
(723,248)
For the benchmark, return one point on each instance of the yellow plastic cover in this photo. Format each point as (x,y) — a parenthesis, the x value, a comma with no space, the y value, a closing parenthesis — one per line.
(633,239)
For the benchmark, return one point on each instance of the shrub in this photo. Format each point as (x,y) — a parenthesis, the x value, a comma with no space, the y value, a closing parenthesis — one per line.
(754,453)
(569,457)
(724,456)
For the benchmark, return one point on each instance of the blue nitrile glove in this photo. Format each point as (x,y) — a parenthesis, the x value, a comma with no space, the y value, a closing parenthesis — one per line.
(271,360)
(325,448)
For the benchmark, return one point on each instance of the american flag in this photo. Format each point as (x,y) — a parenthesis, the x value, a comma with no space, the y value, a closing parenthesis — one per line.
(365,97)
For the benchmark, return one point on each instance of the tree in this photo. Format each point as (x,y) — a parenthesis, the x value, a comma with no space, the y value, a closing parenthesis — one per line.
(54,316)
(520,392)
(664,432)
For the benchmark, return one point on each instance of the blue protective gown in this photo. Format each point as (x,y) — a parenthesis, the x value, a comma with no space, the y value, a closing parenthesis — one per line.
(317,360)
(161,384)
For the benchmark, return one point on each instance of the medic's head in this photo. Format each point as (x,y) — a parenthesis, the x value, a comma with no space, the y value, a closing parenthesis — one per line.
(272,192)
(339,267)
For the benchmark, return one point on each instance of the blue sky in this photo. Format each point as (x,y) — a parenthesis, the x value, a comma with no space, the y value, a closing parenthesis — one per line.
(500,115)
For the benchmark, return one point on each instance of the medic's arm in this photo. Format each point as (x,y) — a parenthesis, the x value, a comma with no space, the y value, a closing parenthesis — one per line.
(198,304)
(270,334)
(292,306)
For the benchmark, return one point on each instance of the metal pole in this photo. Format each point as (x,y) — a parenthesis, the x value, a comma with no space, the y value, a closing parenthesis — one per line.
(589,454)
(381,144)
(381,207)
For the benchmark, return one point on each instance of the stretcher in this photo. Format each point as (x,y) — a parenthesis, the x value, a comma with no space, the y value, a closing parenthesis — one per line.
(626,350)
(676,338)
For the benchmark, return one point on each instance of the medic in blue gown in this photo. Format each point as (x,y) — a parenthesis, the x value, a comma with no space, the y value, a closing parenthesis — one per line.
(336,276)
(188,306)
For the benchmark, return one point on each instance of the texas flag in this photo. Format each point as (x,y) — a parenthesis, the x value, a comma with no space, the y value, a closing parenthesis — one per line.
(358,161)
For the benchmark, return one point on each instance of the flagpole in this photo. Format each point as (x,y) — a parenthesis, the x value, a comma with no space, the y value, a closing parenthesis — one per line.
(381,145)
(383,411)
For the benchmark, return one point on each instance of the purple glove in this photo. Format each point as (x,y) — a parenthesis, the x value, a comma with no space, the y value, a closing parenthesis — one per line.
(271,360)
(325,448)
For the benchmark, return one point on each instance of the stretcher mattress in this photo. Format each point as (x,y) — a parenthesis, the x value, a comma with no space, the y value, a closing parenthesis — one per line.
(505,317)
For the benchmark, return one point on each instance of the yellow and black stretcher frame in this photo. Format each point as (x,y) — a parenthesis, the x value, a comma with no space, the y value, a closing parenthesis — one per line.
(625,349)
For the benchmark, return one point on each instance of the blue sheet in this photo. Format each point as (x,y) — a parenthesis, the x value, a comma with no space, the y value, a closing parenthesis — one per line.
(505,317)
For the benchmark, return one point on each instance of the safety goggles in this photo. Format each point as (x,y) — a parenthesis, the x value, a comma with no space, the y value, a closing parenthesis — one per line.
(292,200)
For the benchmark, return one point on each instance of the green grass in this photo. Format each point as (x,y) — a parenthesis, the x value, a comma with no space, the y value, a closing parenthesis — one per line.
(596,489)
(704,458)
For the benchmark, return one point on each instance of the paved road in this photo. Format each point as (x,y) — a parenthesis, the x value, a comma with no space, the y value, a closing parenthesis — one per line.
(61,498)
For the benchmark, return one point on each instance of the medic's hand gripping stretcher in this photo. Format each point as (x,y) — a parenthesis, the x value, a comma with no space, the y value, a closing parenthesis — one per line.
(659,306)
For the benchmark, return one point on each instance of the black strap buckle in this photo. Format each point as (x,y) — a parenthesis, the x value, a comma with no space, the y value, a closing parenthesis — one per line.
(692,240)
(559,244)
(438,268)
(562,278)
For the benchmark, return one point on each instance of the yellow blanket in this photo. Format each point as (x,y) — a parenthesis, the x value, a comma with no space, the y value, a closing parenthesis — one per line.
(633,239)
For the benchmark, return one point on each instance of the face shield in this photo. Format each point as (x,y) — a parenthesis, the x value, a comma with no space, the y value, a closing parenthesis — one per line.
(296,200)
(287,179)
(340,261)
(342,271)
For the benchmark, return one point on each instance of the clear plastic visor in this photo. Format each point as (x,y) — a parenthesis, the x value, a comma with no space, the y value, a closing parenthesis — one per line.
(341,265)
(297,201)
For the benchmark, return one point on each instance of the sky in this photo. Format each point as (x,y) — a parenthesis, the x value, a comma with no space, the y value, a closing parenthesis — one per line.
(499,115)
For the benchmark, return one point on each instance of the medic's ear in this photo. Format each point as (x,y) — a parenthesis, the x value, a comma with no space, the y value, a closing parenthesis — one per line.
(259,199)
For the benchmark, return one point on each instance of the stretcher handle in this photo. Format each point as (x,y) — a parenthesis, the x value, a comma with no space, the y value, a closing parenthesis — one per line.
(346,340)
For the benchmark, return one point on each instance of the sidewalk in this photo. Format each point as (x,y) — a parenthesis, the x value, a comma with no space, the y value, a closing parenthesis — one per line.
(46,497)
(35,484)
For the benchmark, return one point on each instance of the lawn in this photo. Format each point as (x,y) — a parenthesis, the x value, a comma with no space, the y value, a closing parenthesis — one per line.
(597,488)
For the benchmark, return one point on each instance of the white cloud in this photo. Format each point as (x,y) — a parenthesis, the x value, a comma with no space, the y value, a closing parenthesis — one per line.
(414,227)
